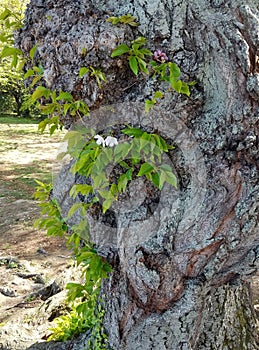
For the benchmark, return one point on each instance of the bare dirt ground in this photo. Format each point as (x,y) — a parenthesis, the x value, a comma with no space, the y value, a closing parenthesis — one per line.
(30,261)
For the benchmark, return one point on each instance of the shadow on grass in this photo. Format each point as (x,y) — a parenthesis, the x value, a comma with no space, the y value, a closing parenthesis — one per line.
(19,182)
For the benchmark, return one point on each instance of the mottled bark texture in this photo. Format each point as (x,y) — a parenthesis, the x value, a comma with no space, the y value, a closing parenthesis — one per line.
(184,285)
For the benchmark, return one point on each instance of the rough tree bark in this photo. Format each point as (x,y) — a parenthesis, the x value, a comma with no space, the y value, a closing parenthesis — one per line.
(186,286)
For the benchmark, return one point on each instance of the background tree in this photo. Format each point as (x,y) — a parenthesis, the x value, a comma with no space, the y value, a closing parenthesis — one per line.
(186,285)
(12,88)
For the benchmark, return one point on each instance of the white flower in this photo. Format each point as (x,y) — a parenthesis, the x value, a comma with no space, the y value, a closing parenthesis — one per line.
(111,141)
(100,140)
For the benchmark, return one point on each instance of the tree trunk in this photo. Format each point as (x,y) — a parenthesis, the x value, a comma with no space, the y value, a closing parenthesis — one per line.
(181,274)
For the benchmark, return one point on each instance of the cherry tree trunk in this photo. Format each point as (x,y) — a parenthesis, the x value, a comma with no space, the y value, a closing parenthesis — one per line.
(182,269)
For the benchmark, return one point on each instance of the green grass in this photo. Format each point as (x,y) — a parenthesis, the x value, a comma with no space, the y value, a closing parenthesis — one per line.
(4,119)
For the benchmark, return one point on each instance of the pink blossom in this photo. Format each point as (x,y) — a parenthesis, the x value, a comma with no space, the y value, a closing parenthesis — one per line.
(160,56)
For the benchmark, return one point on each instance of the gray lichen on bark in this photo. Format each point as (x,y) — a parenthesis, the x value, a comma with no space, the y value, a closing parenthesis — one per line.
(183,288)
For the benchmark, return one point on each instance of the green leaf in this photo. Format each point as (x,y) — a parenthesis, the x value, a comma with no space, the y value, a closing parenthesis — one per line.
(136,150)
(21,64)
(5,14)
(75,207)
(114,189)
(40,92)
(35,80)
(98,167)
(10,51)
(122,182)
(146,52)
(175,71)
(185,89)
(121,151)
(83,71)
(128,19)
(5,38)
(47,109)
(160,142)
(106,155)
(144,145)
(166,168)
(155,179)
(162,179)
(109,199)
(83,108)
(38,69)
(129,173)
(146,136)
(29,73)
(133,132)
(84,51)
(149,104)
(14,61)
(41,184)
(53,96)
(99,75)
(100,181)
(171,179)
(33,51)
(113,20)
(145,168)
(83,189)
(83,168)
(75,290)
(142,65)
(161,70)
(176,85)
(65,96)
(158,94)
(105,194)
(167,175)
(133,63)
(141,40)
(120,50)
(133,24)
(52,129)
(66,107)
(124,165)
